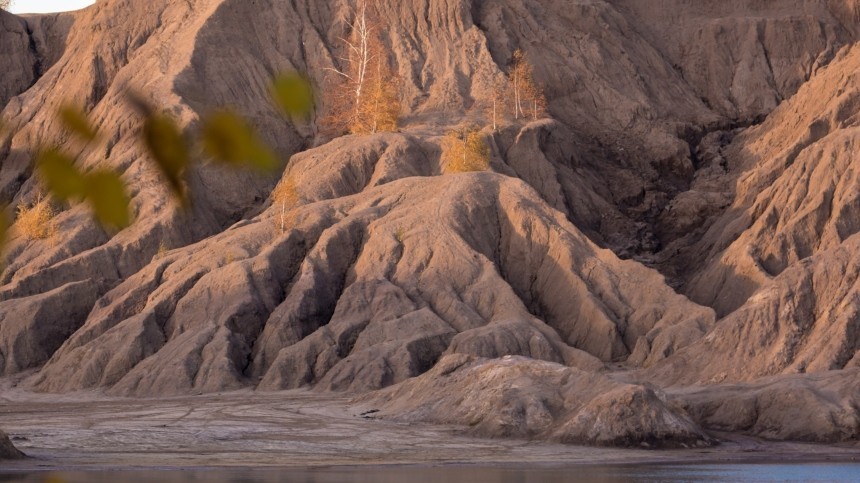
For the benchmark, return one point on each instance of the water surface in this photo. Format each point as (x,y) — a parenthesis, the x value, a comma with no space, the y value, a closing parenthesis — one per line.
(827,472)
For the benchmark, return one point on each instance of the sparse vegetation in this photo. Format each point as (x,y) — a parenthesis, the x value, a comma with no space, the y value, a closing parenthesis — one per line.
(528,97)
(36,221)
(5,4)
(286,195)
(162,250)
(465,150)
(495,107)
(400,234)
(516,96)
(364,91)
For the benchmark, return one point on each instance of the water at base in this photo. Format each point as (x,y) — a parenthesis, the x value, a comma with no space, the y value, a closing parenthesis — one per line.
(826,472)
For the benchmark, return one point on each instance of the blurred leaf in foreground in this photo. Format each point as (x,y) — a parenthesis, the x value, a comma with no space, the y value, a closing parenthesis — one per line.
(76,122)
(103,190)
(164,141)
(228,138)
(60,175)
(294,94)
(108,199)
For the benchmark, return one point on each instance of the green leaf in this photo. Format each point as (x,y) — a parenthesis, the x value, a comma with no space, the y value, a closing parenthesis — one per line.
(60,176)
(108,199)
(165,143)
(76,122)
(294,95)
(228,138)
(263,158)
(139,103)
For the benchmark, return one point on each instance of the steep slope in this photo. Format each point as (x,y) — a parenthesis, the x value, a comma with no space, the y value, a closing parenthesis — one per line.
(783,263)
(805,320)
(791,240)
(365,290)
(672,73)
(745,57)
(387,265)
(798,193)
(111,47)
(19,66)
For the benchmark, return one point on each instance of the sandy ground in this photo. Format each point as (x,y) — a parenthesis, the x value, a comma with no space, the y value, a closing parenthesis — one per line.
(295,429)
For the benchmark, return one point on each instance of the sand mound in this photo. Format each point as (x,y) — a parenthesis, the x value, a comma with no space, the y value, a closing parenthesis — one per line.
(819,407)
(520,397)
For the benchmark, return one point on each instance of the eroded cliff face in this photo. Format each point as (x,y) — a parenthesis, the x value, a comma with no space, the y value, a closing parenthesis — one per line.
(799,191)
(387,265)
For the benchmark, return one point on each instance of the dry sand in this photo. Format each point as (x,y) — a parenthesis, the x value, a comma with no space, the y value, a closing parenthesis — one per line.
(89,431)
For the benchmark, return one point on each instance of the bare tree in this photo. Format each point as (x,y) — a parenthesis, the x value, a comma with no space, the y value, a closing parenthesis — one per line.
(495,107)
(286,194)
(365,88)
(528,97)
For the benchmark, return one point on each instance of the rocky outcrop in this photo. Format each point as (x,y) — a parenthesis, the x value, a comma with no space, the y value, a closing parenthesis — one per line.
(819,407)
(7,450)
(784,258)
(18,67)
(783,263)
(524,398)
(32,45)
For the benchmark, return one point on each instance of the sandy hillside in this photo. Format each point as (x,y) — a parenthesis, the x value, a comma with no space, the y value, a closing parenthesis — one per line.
(674,249)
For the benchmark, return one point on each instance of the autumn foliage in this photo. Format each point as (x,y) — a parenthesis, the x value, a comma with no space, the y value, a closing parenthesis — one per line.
(363,94)
(465,150)
(516,96)
(286,196)
(528,97)
(36,221)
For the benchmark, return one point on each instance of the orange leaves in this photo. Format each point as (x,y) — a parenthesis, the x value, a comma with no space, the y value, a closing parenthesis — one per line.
(465,150)
(528,97)
(102,189)
(517,95)
(105,192)
(365,90)
(167,147)
(59,174)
